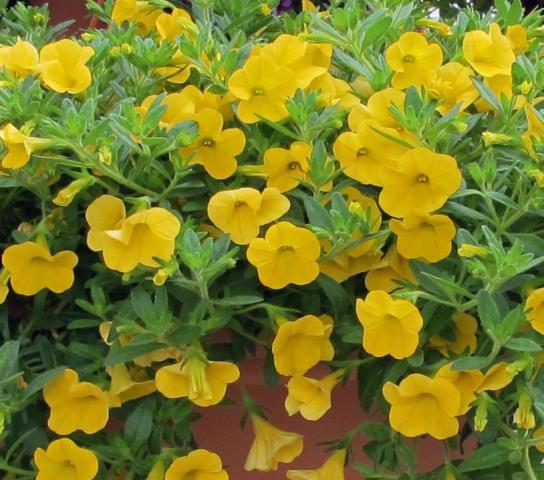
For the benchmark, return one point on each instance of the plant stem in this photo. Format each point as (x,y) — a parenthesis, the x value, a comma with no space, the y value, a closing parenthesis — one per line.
(526,464)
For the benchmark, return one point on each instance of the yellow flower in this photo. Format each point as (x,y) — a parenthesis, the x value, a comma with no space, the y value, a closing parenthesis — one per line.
(517,36)
(215,148)
(177,23)
(535,128)
(534,307)
(203,382)
(271,446)
(442,28)
(141,12)
(524,415)
(364,155)
(241,212)
(20,59)
(413,60)
(333,91)
(500,85)
(428,237)
(178,70)
(390,327)
(19,146)
(66,196)
(207,99)
(128,385)
(285,168)
(362,86)
(32,268)
(197,465)
(157,472)
(391,267)
(467,383)
(347,265)
(75,405)
(64,460)
(126,242)
(262,87)
(452,86)
(288,254)
(62,66)
(422,183)
(310,397)
(301,344)
(332,469)
(489,53)
(496,378)
(4,290)
(179,107)
(466,327)
(421,405)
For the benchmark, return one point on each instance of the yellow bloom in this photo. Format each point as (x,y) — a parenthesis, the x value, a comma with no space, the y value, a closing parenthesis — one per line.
(442,28)
(197,465)
(215,148)
(288,254)
(390,327)
(66,196)
(203,382)
(500,85)
(489,53)
(20,59)
(4,290)
(19,146)
(301,344)
(524,415)
(496,378)
(262,87)
(128,385)
(534,307)
(310,397)
(452,86)
(422,183)
(285,168)
(539,433)
(517,36)
(62,66)
(126,242)
(333,91)
(32,268)
(421,405)
(64,460)
(241,212)
(75,405)
(364,155)
(177,23)
(271,446)
(179,69)
(428,237)
(207,99)
(467,383)
(535,128)
(413,60)
(347,265)
(466,327)
(141,12)
(179,107)
(332,469)
(157,472)
(391,267)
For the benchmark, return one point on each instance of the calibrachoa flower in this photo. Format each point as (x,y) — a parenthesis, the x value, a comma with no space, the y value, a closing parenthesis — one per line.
(75,405)
(467,383)
(20,59)
(517,35)
(421,405)
(197,465)
(489,53)
(311,397)
(127,385)
(287,254)
(125,241)
(241,213)
(496,378)
(535,309)
(179,108)
(271,446)
(332,469)
(300,344)
(138,11)
(63,67)
(19,146)
(32,268)
(451,86)
(175,24)
(64,460)
(390,327)
(391,269)
(285,168)
(420,184)
(466,327)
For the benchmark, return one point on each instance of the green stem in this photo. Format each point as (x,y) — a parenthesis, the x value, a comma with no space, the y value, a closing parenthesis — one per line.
(526,464)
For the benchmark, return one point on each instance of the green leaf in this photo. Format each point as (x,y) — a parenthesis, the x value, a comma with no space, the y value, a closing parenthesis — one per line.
(523,345)
(487,456)
(124,354)
(237,300)
(142,305)
(184,335)
(531,243)
(139,424)
(470,363)
(488,311)
(317,214)
(487,94)
(9,359)
(336,294)
(42,380)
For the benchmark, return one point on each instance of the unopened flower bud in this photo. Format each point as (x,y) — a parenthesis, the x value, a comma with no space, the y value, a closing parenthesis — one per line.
(67,194)
(468,250)
(491,138)
(524,416)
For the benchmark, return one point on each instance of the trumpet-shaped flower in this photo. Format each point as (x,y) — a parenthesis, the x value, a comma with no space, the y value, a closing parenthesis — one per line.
(391,267)
(262,87)
(179,107)
(310,397)
(32,268)
(138,11)
(287,254)
(177,23)
(517,36)
(301,344)
(126,242)
(346,265)
(534,307)
(413,60)
(466,327)
(489,53)
(63,67)
(428,237)
(421,405)
(197,465)
(66,195)
(452,86)
(286,168)
(467,383)
(19,146)
(496,378)
(20,59)
(333,91)
(128,385)
(332,469)
(390,327)
(64,460)
(241,212)
(75,405)
(271,446)
(214,148)
(420,184)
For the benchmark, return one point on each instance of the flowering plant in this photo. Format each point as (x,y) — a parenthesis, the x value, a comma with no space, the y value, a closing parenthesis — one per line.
(359,188)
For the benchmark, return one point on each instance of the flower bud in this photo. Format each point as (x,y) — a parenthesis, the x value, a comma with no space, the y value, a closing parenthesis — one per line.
(491,138)
(467,250)
(67,194)
(525,87)
(104,155)
(126,49)
(480,419)
(524,416)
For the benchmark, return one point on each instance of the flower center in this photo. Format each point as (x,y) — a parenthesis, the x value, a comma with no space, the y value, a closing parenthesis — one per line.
(257,91)
(408,59)
(208,142)
(293,166)
(422,178)
(285,248)
(362,152)
(239,203)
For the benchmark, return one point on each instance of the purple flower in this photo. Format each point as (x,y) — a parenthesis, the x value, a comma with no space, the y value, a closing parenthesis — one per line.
(284,6)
